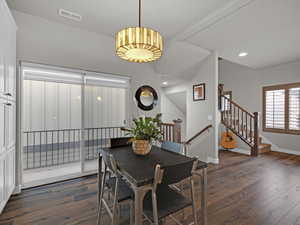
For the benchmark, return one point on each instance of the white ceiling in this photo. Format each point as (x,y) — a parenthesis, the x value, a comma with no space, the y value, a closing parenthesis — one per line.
(184,56)
(269,30)
(109,16)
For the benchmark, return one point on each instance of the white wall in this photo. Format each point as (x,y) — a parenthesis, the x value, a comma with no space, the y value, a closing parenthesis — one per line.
(43,41)
(199,114)
(170,112)
(246,85)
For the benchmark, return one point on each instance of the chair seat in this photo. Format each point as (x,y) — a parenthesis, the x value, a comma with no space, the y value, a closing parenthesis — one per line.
(124,191)
(169,201)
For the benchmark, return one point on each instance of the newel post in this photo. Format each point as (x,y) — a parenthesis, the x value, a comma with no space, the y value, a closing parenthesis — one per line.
(254,150)
(220,90)
(177,130)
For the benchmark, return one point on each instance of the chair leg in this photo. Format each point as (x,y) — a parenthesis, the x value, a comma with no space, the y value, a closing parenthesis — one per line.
(154,208)
(100,198)
(115,216)
(194,201)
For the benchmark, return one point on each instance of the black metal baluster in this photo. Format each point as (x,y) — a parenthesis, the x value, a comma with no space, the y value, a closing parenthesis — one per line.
(40,148)
(33,162)
(52,148)
(93,143)
(58,147)
(88,145)
(63,142)
(74,143)
(46,148)
(69,139)
(101,138)
(27,159)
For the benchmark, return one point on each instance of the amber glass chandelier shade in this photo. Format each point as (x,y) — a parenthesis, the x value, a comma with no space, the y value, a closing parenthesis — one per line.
(139,44)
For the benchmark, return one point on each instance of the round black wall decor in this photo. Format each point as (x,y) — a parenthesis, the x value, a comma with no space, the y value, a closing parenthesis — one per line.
(146,98)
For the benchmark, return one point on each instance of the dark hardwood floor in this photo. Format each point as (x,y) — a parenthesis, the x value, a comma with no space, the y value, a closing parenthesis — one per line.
(241,191)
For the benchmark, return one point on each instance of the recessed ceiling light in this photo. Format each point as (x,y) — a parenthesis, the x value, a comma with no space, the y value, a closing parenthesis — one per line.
(99,98)
(243,54)
(165,83)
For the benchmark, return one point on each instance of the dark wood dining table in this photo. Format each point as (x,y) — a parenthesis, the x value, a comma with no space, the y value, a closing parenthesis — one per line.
(139,172)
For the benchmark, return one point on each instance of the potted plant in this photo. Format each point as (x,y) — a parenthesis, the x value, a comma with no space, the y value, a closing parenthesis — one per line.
(145,131)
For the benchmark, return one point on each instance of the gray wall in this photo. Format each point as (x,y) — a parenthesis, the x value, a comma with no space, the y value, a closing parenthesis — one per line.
(170,112)
(246,85)
(199,114)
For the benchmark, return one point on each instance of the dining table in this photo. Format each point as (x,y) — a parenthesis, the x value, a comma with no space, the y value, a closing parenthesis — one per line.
(138,171)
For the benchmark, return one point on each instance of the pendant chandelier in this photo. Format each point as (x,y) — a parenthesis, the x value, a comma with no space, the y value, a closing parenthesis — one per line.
(139,44)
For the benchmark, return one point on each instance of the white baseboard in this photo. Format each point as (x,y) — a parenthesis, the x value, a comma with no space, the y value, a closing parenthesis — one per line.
(212,160)
(2,205)
(57,179)
(288,151)
(283,150)
(17,190)
(241,151)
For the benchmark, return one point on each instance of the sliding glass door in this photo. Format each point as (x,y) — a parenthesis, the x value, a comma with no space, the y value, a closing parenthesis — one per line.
(67,116)
(104,114)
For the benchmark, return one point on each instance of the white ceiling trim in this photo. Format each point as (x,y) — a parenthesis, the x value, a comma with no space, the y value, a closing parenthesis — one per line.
(213,18)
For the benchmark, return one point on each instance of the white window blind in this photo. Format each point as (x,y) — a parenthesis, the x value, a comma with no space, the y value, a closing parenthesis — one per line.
(40,72)
(294,108)
(275,109)
(282,108)
(106,80)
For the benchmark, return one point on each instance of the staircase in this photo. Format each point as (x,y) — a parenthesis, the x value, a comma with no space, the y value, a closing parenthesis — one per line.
(242,123)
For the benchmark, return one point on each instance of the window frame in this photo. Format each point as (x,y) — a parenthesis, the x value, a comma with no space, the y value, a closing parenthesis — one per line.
(286,88)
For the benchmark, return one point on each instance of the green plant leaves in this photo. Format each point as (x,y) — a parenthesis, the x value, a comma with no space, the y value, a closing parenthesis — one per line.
(147,128)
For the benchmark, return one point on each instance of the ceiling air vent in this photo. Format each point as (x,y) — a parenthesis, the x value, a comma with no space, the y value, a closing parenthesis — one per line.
(70,15)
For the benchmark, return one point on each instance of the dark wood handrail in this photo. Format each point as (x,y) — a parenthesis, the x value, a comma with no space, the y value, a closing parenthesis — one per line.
(238,106)
(197,135)
(167,124)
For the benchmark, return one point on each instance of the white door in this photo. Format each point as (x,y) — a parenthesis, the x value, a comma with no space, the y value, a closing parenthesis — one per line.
(7,103)
(10,127)
(2,126)
(10,78)
(2,68)
(2,190)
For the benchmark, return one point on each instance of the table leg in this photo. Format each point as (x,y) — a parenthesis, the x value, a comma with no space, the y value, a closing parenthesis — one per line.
(139,194)
(203,197)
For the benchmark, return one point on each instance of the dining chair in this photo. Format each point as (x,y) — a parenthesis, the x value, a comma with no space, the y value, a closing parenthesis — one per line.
(172,146)
(163,201)
(122,193)
(178,148)
(120,142)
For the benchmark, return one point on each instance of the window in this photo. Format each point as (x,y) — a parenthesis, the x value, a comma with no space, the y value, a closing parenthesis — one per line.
(281,108)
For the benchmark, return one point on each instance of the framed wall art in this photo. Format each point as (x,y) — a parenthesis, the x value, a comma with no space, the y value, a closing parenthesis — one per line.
(199,92)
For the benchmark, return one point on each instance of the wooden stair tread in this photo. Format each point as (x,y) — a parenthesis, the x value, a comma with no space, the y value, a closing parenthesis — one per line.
(263,148)
(264,145)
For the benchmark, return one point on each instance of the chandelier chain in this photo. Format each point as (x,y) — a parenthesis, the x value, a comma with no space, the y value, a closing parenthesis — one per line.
(140,9)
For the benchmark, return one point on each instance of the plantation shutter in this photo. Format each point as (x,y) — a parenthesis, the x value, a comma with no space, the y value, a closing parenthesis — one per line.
(294,108)
(275,109)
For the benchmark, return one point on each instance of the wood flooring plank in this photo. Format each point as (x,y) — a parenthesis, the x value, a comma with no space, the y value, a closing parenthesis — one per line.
(242,190)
